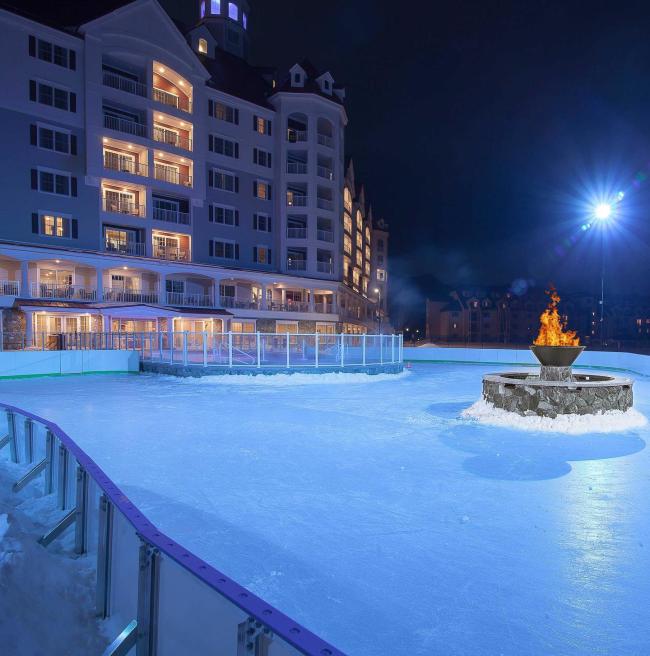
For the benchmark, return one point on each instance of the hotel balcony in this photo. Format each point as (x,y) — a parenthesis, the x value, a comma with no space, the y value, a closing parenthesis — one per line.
(296,264)
(296,136)
(325,203)
(172,136)
(171,89)
(122,206)
(325,267)
(59,292)
(125,126)
(125,161)
(9,287)
(325,140)
(296,233)
(239,304)
(171,216)
(174,175)
(324,172)
(114,80)
(289,306)
(325,235)
(171,246)
(190,300)
(297,168)
(119,295)
(124,247)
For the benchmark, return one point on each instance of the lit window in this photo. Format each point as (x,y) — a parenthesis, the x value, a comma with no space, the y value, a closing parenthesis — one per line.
(203,46)
(244,20)
(359,240)
(347,222)
(261,125)
(55,226)
(232,10)
(381,274)
(359,220)
(215,7)
(203,9)
(347,199)
(347,244)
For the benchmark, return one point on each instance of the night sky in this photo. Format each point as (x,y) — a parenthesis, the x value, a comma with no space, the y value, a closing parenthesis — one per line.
(483,131)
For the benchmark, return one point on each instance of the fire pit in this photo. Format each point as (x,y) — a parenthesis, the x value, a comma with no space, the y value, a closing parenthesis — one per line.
(556,390)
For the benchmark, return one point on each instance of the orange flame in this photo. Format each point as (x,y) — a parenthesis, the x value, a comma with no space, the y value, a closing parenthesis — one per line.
(553,331)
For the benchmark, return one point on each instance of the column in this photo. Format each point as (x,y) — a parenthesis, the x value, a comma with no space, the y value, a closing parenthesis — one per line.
(264,302)
(99,284)
(25,290)
(283,298)
(312,301)
(216,286)
(162,289)
(29,328)
(335,303)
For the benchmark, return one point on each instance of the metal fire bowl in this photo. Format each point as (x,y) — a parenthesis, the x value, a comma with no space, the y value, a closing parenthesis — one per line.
(557,356)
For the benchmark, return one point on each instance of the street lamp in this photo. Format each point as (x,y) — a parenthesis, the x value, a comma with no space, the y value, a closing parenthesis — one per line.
(378,292)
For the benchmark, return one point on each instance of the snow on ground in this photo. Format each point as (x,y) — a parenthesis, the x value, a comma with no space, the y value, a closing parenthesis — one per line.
(47,604)
(612,421)
(375,515)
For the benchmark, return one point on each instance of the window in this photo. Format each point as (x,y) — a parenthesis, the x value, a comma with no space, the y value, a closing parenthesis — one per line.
(223,146)
(381,274)
(51,138)
(359,220)
(262,222)
(262,158)
(347,244)
(347,200)
(261,125)
(359,240)
(203,9)
(297,79)
(262,254)
(347,223)
(244,19)
(359,259)
(175,286)
(54,182)
(233,11)
(48,52)
(356,277)
(225,250)
(380,244)
(380,259)
(224,215)
(223,180)
(215,7)
(54,225)
(262,190)
(46,94)
(223,112)
(367,252)
(203,46)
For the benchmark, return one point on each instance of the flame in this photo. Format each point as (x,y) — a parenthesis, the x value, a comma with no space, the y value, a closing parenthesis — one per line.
(552,331)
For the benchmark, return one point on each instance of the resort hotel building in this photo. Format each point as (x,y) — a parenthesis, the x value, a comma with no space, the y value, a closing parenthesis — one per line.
(154,180)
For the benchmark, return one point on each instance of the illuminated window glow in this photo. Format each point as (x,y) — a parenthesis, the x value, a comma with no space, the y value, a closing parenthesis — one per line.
(203,46)
(232,11)
(215,7)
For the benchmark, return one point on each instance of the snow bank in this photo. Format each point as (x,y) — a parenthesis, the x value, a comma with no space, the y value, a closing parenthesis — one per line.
(287,380)
(4,526)
(613,421)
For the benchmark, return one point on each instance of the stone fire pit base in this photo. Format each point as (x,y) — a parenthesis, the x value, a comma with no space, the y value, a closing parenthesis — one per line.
(584,394)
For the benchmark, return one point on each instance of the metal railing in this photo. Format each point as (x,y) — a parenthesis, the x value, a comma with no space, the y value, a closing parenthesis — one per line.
(324,267)
(126,126)
(294,136)
(296,233)
(123,83)
(116,294)
(325,204)
(173,176)
(114,162)
(125,247)
(296,168)
(174,253)
(294,200)
(324,172)
(120,206)
(62,292)
(171,138)
(324,235)
(239,304)
(9,287)
(190,300)
(171,216)
(296,265)
(172,100)
(325,140)
(147,584)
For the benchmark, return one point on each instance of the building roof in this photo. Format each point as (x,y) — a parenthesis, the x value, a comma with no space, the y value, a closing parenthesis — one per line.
(310,84)
(80,305)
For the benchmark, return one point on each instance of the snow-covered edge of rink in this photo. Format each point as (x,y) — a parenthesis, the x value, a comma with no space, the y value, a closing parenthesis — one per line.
(612,421)
(285,380)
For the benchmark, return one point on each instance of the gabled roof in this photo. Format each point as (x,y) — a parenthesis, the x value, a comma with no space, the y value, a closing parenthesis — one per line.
(310,84)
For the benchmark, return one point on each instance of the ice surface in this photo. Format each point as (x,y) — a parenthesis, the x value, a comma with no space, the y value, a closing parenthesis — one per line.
(375,515)
(612,421)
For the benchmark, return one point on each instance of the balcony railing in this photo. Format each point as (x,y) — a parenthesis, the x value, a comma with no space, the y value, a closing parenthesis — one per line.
(190,300)
(324,140)
(236,303)
(123,83)
(171,138)
(325,204)
(62,292)
(174,253)
(325,235)
(171,216)
(297,233)
(126,126)
(172,100)
(324,267)
(9,287)
(294,200)
(171,175)
(117,295)
(297,168)
(124,247)
(295,136)
(124,165)
(325,308)
(119,206)
(324,172)
(296,265)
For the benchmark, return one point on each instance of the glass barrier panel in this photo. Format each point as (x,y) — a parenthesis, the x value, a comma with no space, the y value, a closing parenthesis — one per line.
(244,349)
(302,351)
(273,350)
(125,567)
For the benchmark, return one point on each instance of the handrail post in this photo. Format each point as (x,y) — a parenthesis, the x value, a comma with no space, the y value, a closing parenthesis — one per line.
(160,344)
(104,557)
(11,434)
(205,349)
(62,485)
(342,351)
(81,522)
(230,349)
(288,352)
(148,593)
(381,349)
(49,460)
(185,348)
(29,440)
(259,350)
(392,348)
(316,349)
(363,349)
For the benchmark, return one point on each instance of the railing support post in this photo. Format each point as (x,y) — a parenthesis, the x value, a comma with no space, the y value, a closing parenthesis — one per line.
(11,434)
(392,348)
(288,352)
(205,349)
(259,350)
(363,349)
(62,484)
(342,351)
(148,580)
(230,349)
(29,440)
(381,349)
(81,522)
(316,349)
(104,557)
(49,462)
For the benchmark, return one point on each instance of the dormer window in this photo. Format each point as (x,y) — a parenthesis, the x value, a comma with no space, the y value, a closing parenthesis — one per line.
(203,9)
(297,79)
(326,84)
(215,7)
(233,11)
(244,20)
(203,46)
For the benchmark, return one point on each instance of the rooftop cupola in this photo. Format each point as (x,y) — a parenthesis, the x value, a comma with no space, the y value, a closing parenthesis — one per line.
(228,23)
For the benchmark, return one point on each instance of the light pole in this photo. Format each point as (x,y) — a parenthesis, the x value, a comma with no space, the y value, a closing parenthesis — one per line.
(378,292)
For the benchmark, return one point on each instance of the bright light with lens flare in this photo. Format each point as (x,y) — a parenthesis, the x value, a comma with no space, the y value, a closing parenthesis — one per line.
(603,211)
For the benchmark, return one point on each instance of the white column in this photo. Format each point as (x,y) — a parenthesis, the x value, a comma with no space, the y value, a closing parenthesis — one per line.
(283,297)
(264,302)
(216,285)
(312,301)
(25,291)
(99,283)
(162,288)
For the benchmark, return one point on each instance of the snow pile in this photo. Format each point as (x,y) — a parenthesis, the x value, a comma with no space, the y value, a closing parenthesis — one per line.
(4,526)
(285,380)
(612,421)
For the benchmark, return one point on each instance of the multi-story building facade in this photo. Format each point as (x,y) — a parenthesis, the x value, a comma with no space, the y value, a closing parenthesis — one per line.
(155,180)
